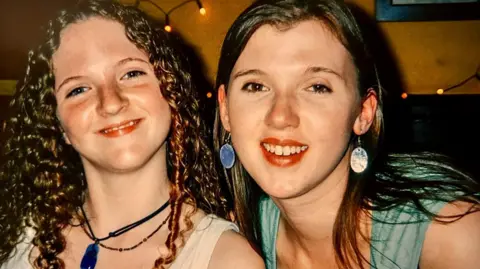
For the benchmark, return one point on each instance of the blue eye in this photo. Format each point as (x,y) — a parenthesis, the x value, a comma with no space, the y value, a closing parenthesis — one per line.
(254,87)
(77,91)
(320,88)
(133,74)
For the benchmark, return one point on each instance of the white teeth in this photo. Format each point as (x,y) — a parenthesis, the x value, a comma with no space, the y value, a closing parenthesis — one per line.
(284,150)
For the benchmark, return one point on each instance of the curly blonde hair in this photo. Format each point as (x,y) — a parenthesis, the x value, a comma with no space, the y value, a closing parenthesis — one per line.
(42,177)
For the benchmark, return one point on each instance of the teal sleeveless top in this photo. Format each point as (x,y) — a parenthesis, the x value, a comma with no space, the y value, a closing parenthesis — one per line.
(396,240)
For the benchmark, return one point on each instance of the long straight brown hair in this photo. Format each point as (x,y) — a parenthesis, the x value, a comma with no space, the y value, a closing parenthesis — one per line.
(392,179)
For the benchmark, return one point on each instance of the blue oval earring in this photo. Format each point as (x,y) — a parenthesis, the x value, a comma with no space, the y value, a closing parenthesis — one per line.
(227,154)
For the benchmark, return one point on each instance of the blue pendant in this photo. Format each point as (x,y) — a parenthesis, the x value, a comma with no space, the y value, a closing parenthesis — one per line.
(227,156)
(89,259)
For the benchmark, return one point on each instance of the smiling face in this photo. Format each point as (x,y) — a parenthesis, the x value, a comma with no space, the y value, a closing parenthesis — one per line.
(291,107)
(109,100)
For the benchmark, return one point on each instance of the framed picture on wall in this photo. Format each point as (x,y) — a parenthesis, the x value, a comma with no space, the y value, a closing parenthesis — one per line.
(427,10)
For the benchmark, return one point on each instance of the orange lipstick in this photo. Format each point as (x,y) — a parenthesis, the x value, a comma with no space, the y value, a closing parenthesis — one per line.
(282,153)
(120,129)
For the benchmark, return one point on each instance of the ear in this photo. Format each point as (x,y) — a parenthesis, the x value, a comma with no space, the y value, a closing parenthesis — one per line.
(223,105)
(368,111)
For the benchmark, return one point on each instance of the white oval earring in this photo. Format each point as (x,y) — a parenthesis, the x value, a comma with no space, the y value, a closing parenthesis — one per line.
(359,159)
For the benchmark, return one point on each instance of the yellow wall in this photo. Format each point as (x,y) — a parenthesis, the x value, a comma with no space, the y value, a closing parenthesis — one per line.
(431,55)
(434,55)
(7,87)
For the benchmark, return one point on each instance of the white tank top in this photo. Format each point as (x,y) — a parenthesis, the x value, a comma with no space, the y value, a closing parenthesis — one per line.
(195,254)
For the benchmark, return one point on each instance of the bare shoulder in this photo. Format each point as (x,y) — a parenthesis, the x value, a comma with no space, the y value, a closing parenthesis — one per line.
(234,251)
(453,245)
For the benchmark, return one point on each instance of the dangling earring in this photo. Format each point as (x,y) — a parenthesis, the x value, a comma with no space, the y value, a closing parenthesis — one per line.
(227,154)
(359,158)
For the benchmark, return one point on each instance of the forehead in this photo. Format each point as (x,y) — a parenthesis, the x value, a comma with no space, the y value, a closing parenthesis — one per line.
(90,40)
(308,43)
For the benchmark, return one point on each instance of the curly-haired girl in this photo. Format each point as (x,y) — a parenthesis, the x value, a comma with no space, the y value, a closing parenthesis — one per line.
(106,164)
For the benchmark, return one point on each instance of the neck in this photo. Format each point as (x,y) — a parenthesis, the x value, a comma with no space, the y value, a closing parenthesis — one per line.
(117,199)
(308,220)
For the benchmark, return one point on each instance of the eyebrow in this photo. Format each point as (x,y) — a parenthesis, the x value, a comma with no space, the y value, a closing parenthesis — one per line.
(312,69)
(121,62)
(321,69)
(65,81)
(248,72)
(131,59)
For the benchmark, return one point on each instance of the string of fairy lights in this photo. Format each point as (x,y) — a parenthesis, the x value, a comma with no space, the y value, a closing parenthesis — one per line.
(167,13)
(441,91)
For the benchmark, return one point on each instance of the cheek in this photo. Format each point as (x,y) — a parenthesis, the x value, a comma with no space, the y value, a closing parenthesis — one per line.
(245,127)
(331,121)
(75,117)
(160,110)
(150,100)
(245,118)
(166,116)
(338,121)
(148,96)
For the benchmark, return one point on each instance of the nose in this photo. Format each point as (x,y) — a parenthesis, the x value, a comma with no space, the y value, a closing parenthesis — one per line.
(111,100)
(283,113)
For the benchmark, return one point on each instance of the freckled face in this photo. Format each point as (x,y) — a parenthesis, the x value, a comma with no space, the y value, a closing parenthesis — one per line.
(109,100)
(290,107)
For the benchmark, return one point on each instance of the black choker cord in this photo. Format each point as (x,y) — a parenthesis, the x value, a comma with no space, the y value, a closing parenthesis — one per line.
(125,228)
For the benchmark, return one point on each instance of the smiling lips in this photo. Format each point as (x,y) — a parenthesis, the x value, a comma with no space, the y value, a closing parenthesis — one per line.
(282,153)
(120,129)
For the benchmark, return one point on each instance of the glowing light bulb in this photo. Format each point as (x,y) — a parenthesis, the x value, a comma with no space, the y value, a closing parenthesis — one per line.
(203,11)
(440,91)
(168,28)
(209,95)
(404,95)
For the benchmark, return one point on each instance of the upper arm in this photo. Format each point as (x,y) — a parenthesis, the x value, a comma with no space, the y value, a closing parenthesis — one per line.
(453,245)
(234,251)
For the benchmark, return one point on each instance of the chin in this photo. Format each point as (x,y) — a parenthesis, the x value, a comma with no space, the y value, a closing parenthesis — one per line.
(125,161)
(125,166)
(280,188)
